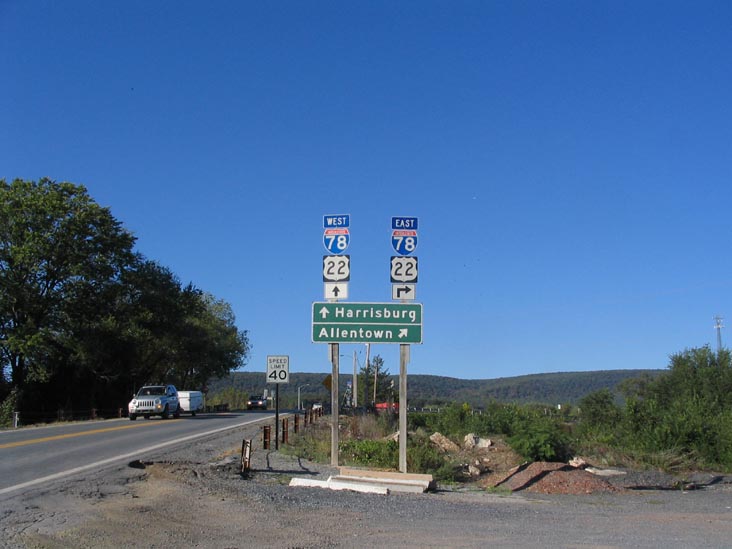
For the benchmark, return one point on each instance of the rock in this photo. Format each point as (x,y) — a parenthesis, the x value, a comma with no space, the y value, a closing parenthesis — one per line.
(393,436)
(444,443)
(578,462)
(472,441)
(474,471)
(484,443)
(605,472)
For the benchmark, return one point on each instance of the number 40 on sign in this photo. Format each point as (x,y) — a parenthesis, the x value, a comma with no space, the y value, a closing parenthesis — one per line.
(278,369)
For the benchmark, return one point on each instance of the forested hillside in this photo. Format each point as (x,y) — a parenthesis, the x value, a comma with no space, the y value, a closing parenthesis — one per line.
(424,390)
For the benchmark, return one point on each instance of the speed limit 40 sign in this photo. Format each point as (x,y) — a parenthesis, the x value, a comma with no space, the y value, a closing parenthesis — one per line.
(278,369)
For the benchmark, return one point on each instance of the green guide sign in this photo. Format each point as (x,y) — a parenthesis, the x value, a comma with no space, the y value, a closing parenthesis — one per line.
(367,322)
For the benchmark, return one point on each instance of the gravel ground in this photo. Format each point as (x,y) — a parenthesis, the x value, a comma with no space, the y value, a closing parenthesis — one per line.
(195,497)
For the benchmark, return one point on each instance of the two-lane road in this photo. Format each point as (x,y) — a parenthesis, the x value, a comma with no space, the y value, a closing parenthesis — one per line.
(32,456)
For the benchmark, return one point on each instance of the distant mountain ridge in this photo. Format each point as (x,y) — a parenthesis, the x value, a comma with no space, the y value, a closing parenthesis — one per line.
(423,390)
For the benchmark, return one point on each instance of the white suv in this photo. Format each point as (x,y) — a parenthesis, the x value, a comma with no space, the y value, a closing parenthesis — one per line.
(155,400)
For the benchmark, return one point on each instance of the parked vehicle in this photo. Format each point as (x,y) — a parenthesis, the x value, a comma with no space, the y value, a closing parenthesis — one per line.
(155,400)
(381,407)
(256,401)
(190,402)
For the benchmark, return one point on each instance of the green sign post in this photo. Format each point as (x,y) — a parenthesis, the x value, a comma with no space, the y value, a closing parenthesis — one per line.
(367,322)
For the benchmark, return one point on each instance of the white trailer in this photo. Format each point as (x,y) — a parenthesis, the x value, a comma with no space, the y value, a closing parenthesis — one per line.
(190,401)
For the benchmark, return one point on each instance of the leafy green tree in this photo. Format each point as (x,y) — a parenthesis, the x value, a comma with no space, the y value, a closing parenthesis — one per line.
(178,334)
(372,372)
(598,409)
(212,346)
(84,320)
(61,254)
(686,410)
(540,438)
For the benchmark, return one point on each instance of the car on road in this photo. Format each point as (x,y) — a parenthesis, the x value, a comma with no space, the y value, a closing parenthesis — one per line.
(256,401)
(155,400)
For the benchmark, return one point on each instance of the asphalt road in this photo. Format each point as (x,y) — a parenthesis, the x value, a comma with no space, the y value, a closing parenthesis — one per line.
(32,456)
(121,506)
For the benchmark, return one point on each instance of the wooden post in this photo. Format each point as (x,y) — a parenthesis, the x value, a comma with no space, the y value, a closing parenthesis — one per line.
(334,358)
(403,361)
(246,455)
(266,430)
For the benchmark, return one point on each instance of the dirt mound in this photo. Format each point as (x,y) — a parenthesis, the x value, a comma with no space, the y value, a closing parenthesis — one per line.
(570,481)
(548,478)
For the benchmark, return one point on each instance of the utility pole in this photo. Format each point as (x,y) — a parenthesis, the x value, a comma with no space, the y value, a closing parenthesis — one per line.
(366,377)
(718,325)
(355,382)
(376,379)
(333,349)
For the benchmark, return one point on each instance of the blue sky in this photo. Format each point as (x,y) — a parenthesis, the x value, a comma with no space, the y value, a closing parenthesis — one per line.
(569,162)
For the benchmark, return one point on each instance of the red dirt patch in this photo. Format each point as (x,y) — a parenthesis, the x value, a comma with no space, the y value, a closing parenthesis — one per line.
(550,478)
(570,481)
(530,474)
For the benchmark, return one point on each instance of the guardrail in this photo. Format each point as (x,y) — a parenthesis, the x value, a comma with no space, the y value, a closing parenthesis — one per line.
(300,420)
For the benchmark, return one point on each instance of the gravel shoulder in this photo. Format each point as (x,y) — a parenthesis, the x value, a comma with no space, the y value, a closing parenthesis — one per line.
(194,496)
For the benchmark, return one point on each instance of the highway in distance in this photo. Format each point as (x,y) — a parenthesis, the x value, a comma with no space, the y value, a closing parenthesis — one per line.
(34,455)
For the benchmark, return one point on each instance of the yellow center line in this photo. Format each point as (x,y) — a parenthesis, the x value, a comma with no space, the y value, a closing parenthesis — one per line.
(72,435)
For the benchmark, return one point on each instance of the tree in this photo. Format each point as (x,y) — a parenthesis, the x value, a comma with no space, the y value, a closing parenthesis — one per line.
(83,319)
(687,409)
(60,256)
(598,409)
(212,346)
(177,334)
(375,369)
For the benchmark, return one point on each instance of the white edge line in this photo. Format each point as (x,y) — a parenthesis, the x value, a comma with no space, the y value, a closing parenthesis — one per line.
(107,461)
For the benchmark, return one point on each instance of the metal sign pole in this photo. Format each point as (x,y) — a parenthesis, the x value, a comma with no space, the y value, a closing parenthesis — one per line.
(277,416)
(334,411)
(403,361)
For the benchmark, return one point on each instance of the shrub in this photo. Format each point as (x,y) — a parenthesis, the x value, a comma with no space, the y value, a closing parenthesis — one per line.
(540,440)
(373,453)
(424,458)
(7,407)
(598,409)
(312,444)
